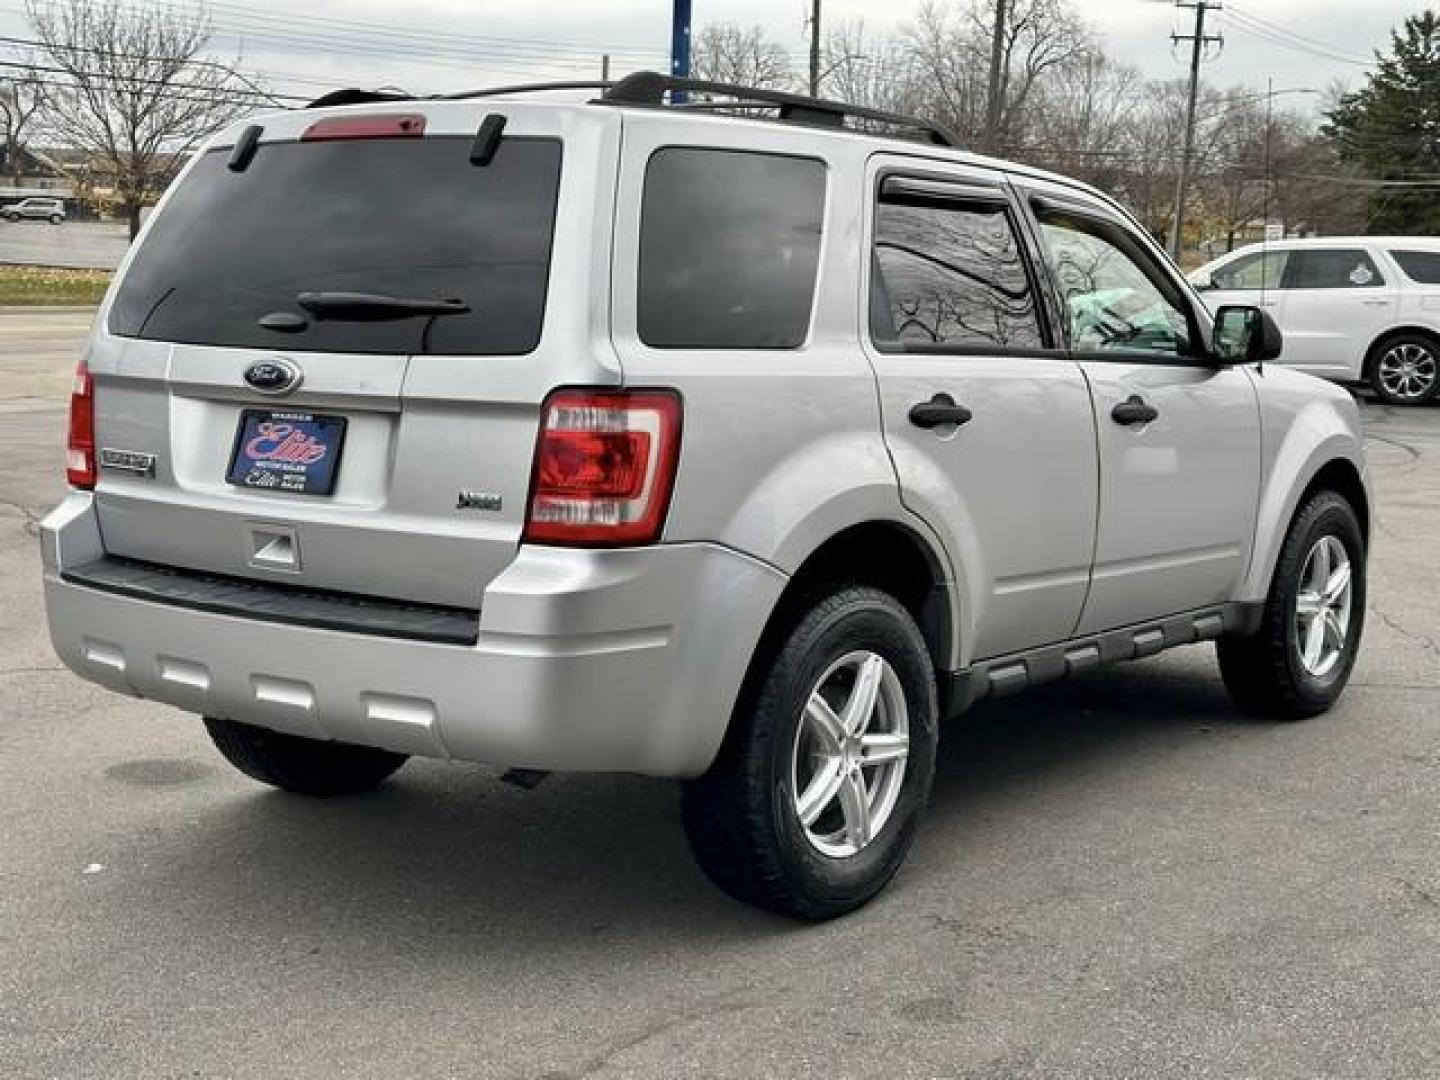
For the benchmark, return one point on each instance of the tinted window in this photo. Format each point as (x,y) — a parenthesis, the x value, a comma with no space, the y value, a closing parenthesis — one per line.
(948,273)
(1421,267)
(729,246)
(1331,269)
(1261,270)
(1114,299)
(399,217)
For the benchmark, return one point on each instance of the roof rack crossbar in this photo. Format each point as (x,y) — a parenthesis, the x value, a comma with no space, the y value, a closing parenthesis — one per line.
(650,87)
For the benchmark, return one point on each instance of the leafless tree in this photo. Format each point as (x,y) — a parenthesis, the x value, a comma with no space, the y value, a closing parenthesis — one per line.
(21,97)
(134,88)
(744,56)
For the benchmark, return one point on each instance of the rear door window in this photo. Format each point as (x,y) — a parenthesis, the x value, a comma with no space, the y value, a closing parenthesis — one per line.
(1421,267)
(410,218)
(949,273)
(1332,268)
(729,249)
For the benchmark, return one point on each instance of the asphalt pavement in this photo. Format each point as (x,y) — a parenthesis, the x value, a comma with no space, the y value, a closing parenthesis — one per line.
(1119,877)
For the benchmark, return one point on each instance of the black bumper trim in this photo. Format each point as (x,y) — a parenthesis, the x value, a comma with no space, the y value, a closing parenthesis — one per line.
(264,601)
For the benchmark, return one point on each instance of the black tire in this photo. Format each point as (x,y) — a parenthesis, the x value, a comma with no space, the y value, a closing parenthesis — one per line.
(1264,671)
(300,765)
(1419,387)
(56,219)
(740,817)
(12,218)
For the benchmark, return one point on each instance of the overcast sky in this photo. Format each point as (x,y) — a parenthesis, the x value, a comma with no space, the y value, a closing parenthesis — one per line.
(433,45)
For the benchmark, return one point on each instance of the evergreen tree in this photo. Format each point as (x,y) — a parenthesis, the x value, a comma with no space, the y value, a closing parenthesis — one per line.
(1390,127)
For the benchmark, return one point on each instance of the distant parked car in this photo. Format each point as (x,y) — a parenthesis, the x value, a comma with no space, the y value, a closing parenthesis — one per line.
(1353,309)
(51,210)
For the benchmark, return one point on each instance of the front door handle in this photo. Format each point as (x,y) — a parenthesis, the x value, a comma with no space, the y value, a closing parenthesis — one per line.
(939,410)
(1134,410)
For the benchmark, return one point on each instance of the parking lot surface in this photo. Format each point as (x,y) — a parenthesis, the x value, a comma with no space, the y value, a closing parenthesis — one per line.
(1119,877)
(84,245)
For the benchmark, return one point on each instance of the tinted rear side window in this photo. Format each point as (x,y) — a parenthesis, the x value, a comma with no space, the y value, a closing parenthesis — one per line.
(729,246)
(1421,267)
(1323,268)
(399,217)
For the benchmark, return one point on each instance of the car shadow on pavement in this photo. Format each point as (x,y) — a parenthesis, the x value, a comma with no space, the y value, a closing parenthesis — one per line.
(448,860)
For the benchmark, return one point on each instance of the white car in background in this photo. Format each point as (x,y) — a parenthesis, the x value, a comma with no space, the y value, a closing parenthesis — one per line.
(1354,309)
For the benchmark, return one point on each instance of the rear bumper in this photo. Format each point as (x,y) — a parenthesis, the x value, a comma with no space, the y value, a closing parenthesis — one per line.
(624,660)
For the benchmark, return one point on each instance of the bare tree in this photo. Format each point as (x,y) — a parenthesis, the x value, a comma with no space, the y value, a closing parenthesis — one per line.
(135,88)
(20,99)
(744,56)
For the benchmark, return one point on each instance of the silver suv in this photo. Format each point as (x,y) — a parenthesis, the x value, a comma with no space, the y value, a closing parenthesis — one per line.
(622,436)
(51,210)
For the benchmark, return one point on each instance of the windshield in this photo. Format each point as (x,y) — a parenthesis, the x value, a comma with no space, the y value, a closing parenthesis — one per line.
(392,217)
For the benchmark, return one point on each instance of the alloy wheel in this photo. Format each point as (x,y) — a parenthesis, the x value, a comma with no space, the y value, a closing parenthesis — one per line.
(1322,607)
(1408,371)
(848,762)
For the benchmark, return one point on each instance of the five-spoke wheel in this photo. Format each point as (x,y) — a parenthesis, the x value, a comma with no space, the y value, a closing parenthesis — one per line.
(814,799)
(848,762)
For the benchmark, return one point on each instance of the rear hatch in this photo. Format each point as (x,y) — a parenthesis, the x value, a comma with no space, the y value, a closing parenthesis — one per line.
(324,365)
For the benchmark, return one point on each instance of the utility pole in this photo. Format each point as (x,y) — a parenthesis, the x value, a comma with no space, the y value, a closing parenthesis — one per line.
(680,46)
(815,49)
(1198,41)
(605,68)
(994,96)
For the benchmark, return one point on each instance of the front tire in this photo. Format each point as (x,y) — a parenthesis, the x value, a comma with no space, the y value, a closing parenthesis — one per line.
(1405,370)
(815,798)
(300,765)
(1297,664)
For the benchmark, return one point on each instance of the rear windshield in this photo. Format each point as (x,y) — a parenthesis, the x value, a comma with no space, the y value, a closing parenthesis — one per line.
(408,218)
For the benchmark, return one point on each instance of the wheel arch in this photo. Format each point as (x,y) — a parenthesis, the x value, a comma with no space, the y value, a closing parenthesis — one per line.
(1334,463)
(887,554)
(1372,351)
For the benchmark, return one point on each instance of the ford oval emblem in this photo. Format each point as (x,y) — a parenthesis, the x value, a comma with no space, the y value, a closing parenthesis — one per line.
(274,376)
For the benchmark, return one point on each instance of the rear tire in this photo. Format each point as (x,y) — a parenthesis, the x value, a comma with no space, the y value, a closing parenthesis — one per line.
(300,765)
(840,709)
(1279,671)
(1405,369)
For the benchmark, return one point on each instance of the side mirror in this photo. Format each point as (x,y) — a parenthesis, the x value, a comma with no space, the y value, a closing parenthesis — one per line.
(1246,335)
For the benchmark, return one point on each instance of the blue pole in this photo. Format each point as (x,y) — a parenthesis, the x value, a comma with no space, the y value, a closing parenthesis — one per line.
(680,46)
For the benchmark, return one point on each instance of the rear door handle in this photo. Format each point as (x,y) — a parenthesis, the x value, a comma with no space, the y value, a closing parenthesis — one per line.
(940,409)
(1134,410)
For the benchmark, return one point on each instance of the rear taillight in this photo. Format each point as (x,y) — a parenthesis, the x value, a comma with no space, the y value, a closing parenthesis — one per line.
(604,467)
(80,445)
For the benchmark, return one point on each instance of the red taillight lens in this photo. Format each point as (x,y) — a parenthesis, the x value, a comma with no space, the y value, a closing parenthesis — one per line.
(375,126)
(80,445)
(604,467)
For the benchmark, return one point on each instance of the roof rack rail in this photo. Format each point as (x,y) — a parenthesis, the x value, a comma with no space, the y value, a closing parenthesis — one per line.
(525,88)
(650,87)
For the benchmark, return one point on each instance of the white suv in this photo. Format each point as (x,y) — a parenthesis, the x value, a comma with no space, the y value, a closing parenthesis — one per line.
(618,436)
(1362,309)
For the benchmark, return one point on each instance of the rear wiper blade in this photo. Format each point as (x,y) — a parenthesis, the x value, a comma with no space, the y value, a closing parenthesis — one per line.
(376,307)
